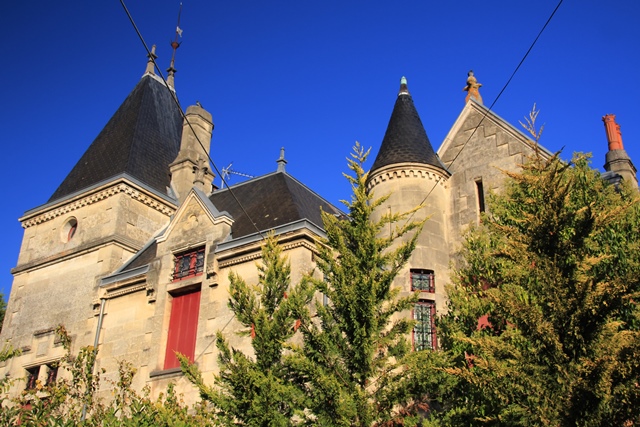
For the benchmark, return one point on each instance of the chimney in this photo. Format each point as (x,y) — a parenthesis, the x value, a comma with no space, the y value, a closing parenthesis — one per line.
(614,136)
(617,160)
(191,168)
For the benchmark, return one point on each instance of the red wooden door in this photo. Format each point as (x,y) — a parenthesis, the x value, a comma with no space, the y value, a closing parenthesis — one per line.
(183,328)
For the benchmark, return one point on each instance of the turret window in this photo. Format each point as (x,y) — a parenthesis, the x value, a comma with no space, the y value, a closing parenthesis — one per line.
(189,264)
(480,195)
(424,332)
(422,280)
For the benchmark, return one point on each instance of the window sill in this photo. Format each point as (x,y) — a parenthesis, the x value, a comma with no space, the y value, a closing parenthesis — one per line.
(187,277)
(166,373)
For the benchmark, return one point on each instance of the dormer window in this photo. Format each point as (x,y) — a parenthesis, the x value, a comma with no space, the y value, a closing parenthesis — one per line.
(189,264)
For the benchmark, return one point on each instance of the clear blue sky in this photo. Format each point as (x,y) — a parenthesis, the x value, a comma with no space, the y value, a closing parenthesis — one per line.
(310,76)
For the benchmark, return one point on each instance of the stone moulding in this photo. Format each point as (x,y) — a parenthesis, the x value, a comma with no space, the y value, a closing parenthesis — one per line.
(121,187)
(41,332)
(400,172)
(258,254)
(121,241)
(125,291)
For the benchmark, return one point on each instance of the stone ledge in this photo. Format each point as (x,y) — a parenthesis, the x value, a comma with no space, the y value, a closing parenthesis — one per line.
(166,373)
(120,240)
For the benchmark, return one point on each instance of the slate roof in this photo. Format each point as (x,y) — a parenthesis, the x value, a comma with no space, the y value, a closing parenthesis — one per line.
(141,139)
(270,201)
(405,139)
(145,256)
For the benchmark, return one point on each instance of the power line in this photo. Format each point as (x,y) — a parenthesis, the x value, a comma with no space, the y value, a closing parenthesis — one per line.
(494,101)
(184,117)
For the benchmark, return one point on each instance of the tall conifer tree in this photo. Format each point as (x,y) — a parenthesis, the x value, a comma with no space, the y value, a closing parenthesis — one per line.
(253,390)
(355,365)
(544,315)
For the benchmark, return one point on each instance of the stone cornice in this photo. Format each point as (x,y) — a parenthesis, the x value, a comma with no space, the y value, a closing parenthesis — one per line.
(257,253)
(407,170)
(125,290)
(118,240)
(99,194)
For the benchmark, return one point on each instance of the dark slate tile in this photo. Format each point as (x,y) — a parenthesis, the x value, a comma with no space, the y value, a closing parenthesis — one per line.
(141,139)
(405,139)
(270,201)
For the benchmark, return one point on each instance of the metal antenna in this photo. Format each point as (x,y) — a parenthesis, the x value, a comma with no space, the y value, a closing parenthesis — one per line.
(226,172)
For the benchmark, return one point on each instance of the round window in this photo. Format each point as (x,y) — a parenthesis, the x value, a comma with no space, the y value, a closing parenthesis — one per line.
(69,230)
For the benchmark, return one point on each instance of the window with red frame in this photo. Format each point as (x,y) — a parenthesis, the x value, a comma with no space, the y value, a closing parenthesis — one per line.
(183,327)
(189,264)
(34,372)
(32,377)
(422,280)
(52,374)
(424,332)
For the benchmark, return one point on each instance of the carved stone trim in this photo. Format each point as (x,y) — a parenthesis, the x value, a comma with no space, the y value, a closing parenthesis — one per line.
(125,291)
(258,253)
(240,260)
(408,172)
(98,196)
(119,240)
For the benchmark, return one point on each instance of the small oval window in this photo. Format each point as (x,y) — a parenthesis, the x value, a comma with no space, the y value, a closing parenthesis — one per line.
(69,230)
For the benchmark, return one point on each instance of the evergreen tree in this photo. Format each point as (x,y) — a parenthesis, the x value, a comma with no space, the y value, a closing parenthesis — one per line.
(254,390)
(543,316)
(355,365)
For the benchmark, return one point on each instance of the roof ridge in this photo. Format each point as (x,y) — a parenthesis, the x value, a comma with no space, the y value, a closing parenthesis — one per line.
(300,183)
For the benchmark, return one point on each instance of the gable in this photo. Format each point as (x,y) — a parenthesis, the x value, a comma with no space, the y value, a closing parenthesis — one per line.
(494,136)
(195,222)
(478,149)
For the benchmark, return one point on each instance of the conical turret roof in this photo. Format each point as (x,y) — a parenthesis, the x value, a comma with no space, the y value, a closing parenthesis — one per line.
(140,140)
(405,139)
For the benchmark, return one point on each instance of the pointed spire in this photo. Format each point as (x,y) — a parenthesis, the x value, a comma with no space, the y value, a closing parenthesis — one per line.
(281,161)
(405,140)
(171,71)
(150,63)
(130,139)
(404,90)
(175,44)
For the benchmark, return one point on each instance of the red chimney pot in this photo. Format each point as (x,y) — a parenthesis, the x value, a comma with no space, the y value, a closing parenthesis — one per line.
(614,136)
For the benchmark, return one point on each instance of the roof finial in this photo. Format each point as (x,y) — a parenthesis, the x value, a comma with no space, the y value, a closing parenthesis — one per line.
(472,88)
(281,161)
(175,44)
(404,90)
(150,63)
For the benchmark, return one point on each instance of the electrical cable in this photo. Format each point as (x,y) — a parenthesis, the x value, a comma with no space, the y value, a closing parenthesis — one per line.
(174,97)
(184,117)
(493,103)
